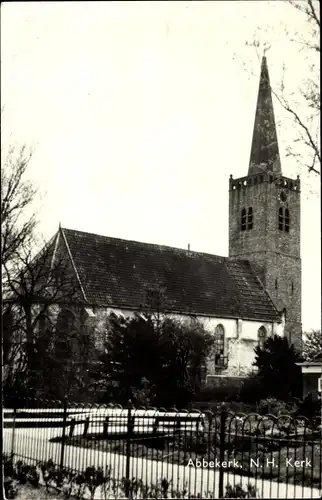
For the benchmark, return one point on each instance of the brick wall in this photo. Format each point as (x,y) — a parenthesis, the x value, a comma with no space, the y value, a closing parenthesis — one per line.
(274,253)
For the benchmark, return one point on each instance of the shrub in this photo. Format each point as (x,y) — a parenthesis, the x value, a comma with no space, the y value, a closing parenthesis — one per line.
(168,354)
(276,363)
(137,489)
(197,442)
(52,474)
(33,476)
(7,465)
(238,491)
(10,488)
(252,389)
(21,471)
(95,478)
(310,407)
(9,483)
(248,390)
(221,389)
(71,483)
(273,406)
(17,474)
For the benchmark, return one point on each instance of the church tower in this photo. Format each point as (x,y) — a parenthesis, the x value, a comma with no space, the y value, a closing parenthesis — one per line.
(264,216)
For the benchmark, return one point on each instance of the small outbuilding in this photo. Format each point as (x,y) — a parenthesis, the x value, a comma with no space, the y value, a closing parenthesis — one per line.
(312,374)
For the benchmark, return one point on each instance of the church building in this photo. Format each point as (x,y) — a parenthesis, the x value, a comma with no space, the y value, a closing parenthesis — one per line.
(242,299)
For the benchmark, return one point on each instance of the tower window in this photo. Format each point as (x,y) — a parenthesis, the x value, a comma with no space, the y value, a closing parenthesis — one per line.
(276,284)
(243,219)
(287,220)
(292,288)
(284,219)
(246,219)
(250,218)
(281,219)
(261,336)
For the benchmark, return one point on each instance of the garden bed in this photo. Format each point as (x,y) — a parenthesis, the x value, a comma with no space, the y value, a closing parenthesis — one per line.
(271,455)
(47,481)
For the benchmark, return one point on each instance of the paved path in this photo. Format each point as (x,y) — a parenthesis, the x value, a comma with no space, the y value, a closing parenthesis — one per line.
(35,444)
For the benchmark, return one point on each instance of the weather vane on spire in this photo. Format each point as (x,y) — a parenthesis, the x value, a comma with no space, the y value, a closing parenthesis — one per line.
(266,48)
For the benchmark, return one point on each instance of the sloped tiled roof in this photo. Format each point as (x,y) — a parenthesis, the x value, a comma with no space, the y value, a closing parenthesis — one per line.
(116,272)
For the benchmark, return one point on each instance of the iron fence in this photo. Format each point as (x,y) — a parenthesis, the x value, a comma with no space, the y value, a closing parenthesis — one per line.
(181,452)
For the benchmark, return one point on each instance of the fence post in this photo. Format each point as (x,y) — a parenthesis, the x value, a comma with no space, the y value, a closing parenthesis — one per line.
(128,450)
(13,433)
(105,426)
(222,446)
(64,433)
(86,426)
(72,427)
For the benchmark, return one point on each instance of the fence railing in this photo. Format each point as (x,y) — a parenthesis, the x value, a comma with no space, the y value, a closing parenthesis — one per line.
(193,453)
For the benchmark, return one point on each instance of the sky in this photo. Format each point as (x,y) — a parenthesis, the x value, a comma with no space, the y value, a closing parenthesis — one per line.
(138,112)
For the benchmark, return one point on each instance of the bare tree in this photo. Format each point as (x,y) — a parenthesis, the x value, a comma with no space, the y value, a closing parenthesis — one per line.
(36,289)
(312,345)
(17,197)
(306,122)
(302,104)
(17,235)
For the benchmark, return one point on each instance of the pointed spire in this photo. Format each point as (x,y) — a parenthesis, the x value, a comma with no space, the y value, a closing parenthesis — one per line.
(264,153)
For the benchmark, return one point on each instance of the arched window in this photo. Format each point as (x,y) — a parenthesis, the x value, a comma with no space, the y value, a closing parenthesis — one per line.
(284,219)
(287,220)
(219,346)
(64,333)
(250,218)
(246,219)
(276,284)
(281,219)
(261,335)
(243,219)
(65,320)
(219,339)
